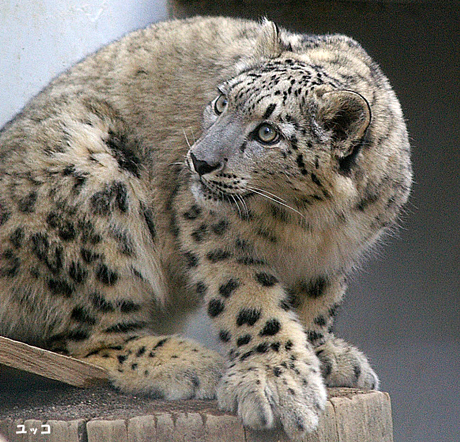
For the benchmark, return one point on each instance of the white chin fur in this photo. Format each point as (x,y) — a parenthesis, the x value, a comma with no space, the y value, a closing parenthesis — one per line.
(197,191)
(204,196)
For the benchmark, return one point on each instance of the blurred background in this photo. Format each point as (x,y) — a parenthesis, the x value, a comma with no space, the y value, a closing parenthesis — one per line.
(402,308)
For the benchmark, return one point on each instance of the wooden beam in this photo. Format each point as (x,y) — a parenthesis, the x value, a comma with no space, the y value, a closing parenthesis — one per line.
(51,365)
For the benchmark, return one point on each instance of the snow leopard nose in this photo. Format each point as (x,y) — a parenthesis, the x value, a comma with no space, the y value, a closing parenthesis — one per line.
(202,167)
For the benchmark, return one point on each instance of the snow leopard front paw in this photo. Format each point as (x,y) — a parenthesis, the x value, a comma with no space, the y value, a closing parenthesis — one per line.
(343,365)
(165,367)
(289,391)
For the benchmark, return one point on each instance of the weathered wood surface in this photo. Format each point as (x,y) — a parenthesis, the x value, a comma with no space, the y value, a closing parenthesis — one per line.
(351,416)
(56,413)
(51,365)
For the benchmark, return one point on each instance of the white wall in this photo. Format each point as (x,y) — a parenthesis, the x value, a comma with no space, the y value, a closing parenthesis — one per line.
(41,38)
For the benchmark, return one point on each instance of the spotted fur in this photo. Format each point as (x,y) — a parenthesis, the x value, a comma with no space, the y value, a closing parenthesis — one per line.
(113,226)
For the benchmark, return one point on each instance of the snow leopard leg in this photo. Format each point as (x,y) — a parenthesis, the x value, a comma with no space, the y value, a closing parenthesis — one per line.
(342,365)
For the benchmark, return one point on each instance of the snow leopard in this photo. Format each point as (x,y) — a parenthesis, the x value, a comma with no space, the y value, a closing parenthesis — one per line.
(213,163)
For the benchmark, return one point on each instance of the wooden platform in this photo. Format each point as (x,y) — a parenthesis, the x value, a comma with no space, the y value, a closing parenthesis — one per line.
(101,414)
(40,401)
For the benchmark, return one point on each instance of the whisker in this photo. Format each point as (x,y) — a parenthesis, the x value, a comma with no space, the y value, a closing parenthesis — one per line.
(183,172)
(186,138)
(237,205)
(193,136)
(243,203)
(240,211)
(275,199)
(266,194)
(271,194)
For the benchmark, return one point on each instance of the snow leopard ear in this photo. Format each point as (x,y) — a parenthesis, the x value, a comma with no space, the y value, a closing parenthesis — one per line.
(269,43)
(345,116)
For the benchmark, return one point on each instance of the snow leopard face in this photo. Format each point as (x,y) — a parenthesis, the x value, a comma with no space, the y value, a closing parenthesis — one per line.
(282,129)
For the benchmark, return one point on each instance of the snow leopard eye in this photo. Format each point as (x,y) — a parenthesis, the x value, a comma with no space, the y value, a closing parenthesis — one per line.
(266,134)
(220,104)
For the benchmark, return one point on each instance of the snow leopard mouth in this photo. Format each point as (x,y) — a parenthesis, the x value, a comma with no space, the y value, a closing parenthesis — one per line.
(223,187)
(216,191)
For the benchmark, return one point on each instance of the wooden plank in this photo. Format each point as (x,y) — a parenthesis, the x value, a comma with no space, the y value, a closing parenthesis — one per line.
(107,431)
(72,431)
(364,417)
(223,429)
(326,431)
(51,365)
(165,427)
(327,428)
(142,429)
(190,427)
(9,430)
